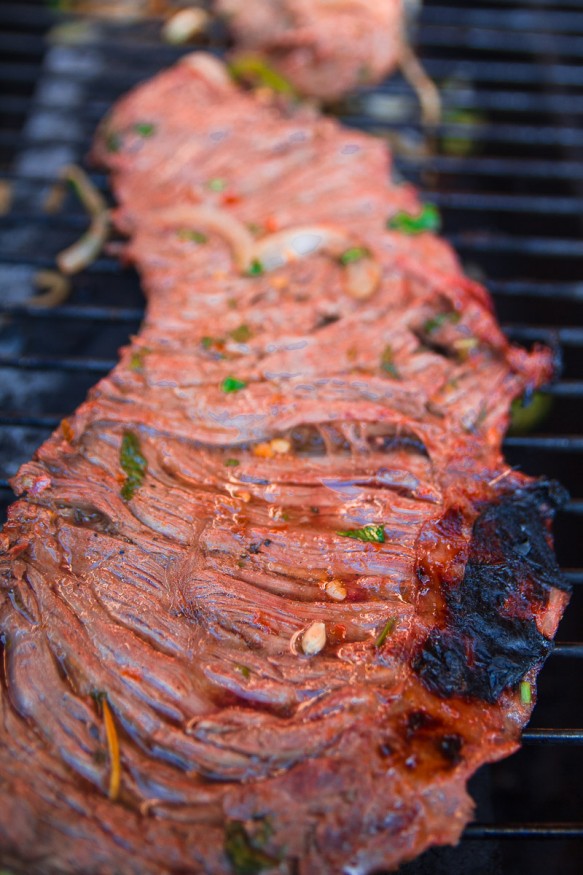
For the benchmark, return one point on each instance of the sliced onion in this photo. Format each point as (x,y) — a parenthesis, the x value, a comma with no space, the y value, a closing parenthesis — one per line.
(82,253)
(213,71)
(88,247)
(424,87)
(218,221)
(362,277)
(185,24)
(57,286)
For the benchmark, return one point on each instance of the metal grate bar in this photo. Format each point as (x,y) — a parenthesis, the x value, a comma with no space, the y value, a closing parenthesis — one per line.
(548,443)
(513,19)
(552,736)
(62,363)
(524,831)
(94,314)
(505,72)
(479,39)
(572,650)
(568,170)
(528,135)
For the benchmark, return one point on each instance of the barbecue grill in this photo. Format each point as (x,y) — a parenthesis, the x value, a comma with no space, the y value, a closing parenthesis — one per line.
(505,169)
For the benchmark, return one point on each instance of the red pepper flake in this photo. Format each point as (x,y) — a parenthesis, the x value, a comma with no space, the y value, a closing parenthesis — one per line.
(229,199)
(271,224)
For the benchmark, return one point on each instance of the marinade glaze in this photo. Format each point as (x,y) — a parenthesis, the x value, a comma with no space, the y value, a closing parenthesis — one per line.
(279,546)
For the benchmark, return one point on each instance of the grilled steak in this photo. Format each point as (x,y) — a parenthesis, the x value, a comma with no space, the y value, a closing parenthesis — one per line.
(324,48)
(277,556)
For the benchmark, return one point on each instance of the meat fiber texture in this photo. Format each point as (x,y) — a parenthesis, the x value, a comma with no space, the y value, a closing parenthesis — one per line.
(280,538)
(325,48)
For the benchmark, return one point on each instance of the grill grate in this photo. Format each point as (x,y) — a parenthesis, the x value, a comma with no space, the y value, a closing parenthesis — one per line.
(508,177)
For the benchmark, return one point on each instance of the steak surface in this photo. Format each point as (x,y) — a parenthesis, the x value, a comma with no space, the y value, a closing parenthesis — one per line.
(323,48)
(279,545)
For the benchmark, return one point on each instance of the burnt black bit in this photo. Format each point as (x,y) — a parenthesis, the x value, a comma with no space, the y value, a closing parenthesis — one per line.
(417,721)
(483,649)
(325,320)
(450,747)
(255,547)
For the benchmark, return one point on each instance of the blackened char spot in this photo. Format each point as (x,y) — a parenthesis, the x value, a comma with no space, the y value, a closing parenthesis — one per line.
(482,649)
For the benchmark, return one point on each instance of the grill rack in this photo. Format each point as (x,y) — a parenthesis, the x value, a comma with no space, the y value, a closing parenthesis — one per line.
(508,158)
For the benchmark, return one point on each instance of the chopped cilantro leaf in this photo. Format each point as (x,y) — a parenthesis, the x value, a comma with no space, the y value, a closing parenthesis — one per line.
(255,268)
(231,463)
(137,359)
(372,534)
(355,253)
(217,184)
(145,129)
(440,319)
(525,692)
(241,334)
(232,384)
(388,363)
(195,236)
(133,464)
(386,631)
(244,856)
(113,142)
(427,220)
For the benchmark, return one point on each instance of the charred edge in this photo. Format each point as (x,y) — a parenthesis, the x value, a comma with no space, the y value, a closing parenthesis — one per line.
(483,649)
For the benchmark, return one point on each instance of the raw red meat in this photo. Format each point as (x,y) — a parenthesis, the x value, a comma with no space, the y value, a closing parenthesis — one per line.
(279,540)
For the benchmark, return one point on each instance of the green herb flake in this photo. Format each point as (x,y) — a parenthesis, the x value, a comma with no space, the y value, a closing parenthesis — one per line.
(133,464)
(436,322)
(145,129)
(246,859)
(241,334)
(387,630)
(371,534)
(355,253)
(388,363)
(193,236)
(232,463)
(244,670)
(253,69)
(427,220)
(528,412)
(217,184)
(137,359)
(207,342)
(526,692)
(113,141)
(256,268)
(232,384)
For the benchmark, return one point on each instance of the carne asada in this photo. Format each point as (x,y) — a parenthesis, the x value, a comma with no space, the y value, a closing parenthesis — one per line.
(271,595)
(323,48)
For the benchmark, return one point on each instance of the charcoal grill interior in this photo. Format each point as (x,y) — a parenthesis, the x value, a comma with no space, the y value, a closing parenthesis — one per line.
(505,169)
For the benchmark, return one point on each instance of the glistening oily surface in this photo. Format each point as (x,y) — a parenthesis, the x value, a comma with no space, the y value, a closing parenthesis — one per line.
(278,549)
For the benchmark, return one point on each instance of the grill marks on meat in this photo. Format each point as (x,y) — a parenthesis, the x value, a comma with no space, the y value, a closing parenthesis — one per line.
(326,48)
(182,603)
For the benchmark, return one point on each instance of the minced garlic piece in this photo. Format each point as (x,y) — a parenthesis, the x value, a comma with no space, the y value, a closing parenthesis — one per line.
(314,639)
(336,590)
